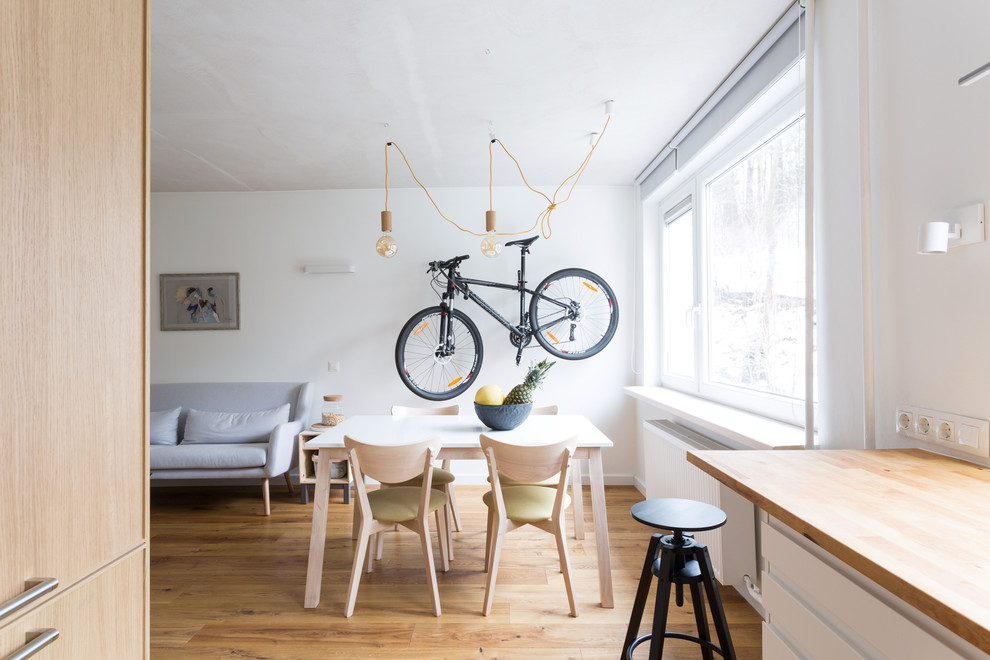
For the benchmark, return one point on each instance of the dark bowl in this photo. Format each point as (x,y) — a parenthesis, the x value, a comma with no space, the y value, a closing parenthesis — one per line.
(503,418)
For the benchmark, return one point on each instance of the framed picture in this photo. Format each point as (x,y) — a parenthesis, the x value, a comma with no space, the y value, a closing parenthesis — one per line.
(200,301)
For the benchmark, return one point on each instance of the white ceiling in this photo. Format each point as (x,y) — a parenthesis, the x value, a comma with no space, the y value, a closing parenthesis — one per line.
(294,94)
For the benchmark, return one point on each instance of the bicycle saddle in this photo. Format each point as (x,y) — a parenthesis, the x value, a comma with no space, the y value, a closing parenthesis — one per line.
(524,242)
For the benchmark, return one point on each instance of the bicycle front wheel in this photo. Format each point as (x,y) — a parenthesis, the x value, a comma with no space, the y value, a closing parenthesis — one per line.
(573,314)
(434,367)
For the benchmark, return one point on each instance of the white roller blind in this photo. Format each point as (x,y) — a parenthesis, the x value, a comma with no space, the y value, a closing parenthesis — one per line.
(782,46)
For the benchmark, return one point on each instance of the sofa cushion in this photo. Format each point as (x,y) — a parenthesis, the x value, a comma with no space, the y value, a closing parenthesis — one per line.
(165,427)
(208,457)
(232,427)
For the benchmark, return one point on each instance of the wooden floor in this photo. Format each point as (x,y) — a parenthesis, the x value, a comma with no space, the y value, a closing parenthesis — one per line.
(227,582)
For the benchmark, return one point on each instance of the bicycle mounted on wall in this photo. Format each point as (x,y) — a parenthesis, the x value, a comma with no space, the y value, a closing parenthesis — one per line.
(572,314)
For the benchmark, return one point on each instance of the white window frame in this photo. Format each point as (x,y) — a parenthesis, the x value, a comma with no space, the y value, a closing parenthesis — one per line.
(684,193)
(693,185)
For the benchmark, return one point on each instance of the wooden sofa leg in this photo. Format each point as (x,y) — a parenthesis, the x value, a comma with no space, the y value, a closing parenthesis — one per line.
(288,482)
(265,496)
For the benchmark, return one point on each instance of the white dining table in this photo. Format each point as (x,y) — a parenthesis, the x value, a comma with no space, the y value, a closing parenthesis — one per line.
(459,436)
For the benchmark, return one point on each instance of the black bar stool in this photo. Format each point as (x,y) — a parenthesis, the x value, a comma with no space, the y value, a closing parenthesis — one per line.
(678,559)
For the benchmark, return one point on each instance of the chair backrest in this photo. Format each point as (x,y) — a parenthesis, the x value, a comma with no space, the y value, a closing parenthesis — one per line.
(544,410)
(393,463)
(528,463)
(408,411)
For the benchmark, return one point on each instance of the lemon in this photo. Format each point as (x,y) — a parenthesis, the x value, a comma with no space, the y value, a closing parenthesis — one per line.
(489,395)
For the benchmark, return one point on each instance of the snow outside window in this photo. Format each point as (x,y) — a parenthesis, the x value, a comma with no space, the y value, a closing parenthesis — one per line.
(733,304)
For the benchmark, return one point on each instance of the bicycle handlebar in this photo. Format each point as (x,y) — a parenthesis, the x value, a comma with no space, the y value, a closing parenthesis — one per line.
(443,265)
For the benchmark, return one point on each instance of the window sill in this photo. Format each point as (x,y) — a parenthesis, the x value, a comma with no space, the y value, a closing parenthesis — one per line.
(747,429)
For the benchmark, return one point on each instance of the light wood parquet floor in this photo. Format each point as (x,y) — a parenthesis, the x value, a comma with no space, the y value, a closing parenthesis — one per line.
(227,582)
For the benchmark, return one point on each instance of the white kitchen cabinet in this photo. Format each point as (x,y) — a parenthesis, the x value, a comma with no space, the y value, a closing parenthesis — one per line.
(818,608)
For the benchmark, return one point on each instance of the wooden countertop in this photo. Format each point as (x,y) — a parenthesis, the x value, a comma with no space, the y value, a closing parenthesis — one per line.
(914,522)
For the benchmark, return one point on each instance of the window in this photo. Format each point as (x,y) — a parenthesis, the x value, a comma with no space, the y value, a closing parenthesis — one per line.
(733,271)
(678,292)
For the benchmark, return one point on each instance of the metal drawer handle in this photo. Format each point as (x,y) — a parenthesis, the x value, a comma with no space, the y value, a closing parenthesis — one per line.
(43,639)
(38,588)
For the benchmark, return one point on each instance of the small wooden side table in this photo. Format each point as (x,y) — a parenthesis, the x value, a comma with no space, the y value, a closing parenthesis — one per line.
(307,470)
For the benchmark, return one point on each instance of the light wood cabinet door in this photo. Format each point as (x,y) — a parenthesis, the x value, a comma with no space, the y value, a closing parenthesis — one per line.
(73,279)
(96,619)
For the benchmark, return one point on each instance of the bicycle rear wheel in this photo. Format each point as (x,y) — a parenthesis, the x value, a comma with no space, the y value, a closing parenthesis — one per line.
(431,368)
(573,313)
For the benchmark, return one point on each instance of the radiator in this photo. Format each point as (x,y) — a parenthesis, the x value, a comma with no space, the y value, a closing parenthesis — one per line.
(668,474)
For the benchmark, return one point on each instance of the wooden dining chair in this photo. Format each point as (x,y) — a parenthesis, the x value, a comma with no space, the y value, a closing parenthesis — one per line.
(512,507)
(552,481)
(577,511)
(442,477)
(409,506)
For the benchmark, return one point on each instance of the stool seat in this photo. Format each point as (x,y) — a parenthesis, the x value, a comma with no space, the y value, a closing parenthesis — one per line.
(678,515)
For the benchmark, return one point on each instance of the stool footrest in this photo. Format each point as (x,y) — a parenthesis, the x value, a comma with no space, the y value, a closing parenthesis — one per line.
(674,635)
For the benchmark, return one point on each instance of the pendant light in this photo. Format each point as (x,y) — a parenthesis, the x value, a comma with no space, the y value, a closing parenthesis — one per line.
(386,245)
(491,244)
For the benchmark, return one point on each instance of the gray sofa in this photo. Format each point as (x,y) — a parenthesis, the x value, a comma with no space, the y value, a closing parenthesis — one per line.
(235,430)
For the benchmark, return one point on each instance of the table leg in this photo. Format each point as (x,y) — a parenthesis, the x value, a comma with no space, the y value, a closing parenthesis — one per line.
(601,525)
(576,485)
(318,535)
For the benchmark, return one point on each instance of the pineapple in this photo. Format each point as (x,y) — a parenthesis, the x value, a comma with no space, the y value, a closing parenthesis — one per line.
(523,393)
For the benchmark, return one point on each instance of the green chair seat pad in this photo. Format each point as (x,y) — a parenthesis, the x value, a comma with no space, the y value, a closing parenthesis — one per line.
(440,477)
(401,503)
(526,504)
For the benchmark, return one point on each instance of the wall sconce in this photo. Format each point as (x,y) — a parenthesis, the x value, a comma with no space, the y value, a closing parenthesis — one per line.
(974,75)
(962,227)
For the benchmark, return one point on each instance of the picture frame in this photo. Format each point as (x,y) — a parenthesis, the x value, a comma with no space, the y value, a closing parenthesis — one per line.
(200,301)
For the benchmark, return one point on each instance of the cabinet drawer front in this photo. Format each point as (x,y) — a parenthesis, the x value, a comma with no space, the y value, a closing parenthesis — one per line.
(774,648)
(880,631)
(816,639)
(100,618)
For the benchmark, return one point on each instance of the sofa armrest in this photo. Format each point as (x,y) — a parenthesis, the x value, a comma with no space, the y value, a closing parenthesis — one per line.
(281,445)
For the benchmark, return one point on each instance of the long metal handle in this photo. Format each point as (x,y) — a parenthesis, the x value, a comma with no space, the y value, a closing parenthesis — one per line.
(38,588)
(44,638)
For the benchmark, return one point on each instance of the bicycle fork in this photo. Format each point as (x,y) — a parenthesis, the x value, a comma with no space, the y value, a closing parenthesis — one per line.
(445,347)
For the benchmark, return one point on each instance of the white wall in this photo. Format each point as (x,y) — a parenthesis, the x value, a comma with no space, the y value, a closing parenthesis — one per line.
(293,324)
(931,148)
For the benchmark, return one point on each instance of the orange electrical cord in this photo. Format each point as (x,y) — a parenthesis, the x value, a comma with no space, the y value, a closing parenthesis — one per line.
(542,220)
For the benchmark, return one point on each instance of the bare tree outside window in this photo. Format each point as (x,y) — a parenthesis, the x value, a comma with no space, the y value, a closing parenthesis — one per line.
(756,269)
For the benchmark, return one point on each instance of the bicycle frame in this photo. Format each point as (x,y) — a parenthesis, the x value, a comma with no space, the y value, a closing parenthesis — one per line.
(457,284)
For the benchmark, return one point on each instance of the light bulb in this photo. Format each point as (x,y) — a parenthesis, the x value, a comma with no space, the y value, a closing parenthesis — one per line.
(386,245)
(491,245)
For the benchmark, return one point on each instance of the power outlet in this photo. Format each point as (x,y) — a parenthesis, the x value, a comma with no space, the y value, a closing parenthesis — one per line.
(924,425)
(968,435)
(945,431)
(905,421)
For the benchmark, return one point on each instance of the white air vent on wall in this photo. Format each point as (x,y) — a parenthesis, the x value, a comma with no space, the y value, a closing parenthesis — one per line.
(325,269)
